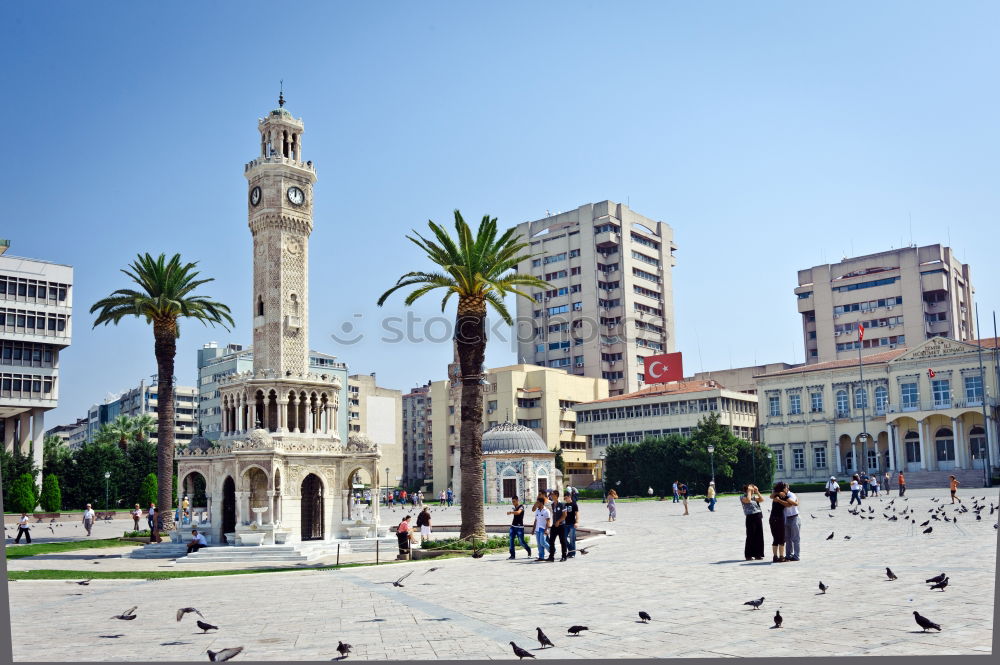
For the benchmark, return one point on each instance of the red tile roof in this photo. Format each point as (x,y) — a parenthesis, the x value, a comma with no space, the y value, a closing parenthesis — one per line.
(675,388)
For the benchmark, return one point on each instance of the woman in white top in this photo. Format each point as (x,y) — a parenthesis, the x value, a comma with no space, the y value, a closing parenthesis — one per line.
(832,489)
(23,527)
(855,490)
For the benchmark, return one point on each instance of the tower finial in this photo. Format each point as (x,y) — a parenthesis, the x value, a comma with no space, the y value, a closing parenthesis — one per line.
(281,93)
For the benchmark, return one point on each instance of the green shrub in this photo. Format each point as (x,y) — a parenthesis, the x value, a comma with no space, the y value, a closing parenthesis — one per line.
(148,490)
(23,498)
(51,498)
(137,534)
(494,542)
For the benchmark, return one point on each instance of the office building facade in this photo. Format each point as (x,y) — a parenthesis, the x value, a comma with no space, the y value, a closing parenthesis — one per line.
(418,448)
(377,413)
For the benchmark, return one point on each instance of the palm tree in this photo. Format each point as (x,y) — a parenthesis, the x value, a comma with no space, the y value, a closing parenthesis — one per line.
(165,294)
(122,428)
(480,270)
(142,425)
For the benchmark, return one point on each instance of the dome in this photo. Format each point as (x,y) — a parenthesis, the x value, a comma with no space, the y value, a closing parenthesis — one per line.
(508,438)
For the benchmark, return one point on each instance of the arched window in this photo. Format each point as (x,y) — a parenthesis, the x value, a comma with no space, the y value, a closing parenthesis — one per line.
(260,306)
(881,400)
(944,445)
(872,459)
(912,443)
(860,398)
(977,446)
(842,405)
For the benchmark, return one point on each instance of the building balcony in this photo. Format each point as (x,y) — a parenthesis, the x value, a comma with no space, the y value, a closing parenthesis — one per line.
(607,239)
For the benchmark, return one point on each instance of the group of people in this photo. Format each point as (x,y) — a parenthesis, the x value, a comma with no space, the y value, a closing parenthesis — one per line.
(405,534)
(553,520)
(783,521)
(862,486)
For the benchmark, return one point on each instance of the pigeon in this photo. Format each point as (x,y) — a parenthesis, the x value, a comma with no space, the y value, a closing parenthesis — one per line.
(430,570)
(777,619)
(812,516)
(224,654)
(888,573)
(830,514)
(830,537)
(205,627)
(925,623)
(543,639)
(755,603)
(576,630)
(847,537)
(399,582)
(926,523)
(85,582)
(823,587)
(128,614)
(583,550)
(343,649)
(187,610)
(928,529)
(521,653)
(940,585)
(644,616)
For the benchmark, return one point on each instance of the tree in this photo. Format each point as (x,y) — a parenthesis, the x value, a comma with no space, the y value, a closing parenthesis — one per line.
(12,466)
(122,428)
(560,462)
(142,426)
(148,491)
(86,482)
(480,269)
(51,498)
(22,494)
(140,461)
(165,295)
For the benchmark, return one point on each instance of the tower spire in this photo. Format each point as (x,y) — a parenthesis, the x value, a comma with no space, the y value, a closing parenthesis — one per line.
(281,93)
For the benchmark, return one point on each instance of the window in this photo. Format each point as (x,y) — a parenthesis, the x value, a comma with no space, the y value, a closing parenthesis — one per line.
(941,390)
(842,405)
(539,348)
(974,389)
(554,258)
(881,400)
(798,459)
(909,398)
(944,443)
(794,404)
(819,458)
(860,398)
(816,400)
(779,460)
(560,309)
(578,307)
(533,424)
(645,259)
(912,440)
(774,405)
(646,275)
(866,285)
(491,405)
(573,253)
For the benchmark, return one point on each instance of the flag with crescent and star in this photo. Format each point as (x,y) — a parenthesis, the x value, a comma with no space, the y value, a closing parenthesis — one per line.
(663,368)
(861,332)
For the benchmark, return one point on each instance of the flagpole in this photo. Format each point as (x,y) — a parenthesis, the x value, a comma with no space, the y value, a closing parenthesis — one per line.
(864,402)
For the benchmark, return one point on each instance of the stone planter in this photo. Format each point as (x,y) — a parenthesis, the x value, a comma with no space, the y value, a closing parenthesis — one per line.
(251,538)
(231,538)
(358,531)
(281,537)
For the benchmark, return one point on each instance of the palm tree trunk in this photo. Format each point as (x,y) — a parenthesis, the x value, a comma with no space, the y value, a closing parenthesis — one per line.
(470,338)
(166,349)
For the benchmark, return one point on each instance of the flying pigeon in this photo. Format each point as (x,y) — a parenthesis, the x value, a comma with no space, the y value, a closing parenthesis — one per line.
(343,649)
(888,573)
(777,619)
(644,616)
(576,630)
(187,610)
(521,653)
(755,603)
(925,623)
(823,587)
(830,537)
(128,614)
(928,529)
(224,654)
(430,570)
(926,523)
(543,639)
(399,582)
(940,585)
(85,582)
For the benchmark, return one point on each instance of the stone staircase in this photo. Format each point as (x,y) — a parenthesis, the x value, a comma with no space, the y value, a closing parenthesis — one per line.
(971,480)
(248,554)
(165,550)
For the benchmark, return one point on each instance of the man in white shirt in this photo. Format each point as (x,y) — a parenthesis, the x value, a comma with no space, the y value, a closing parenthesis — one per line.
(832,489)
(792,525)
(543,519)
(88,519)
(23,528)
(197,541)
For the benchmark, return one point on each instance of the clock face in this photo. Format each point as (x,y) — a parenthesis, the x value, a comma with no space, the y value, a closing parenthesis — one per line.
(296,196)
(255,196)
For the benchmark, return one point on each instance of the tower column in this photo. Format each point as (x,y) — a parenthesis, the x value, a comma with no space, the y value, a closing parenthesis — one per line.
(282,415)
(292,413)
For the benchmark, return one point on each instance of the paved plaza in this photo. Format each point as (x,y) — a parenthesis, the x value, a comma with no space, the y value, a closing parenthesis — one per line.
(688,572)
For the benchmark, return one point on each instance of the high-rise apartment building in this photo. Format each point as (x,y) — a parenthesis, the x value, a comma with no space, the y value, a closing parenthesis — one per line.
(610,302)
(418,451)
(377,413)
(36,303)
(902,297)
(143,400)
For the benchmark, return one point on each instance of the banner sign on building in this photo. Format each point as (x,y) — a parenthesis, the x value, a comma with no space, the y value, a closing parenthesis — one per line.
(663,368)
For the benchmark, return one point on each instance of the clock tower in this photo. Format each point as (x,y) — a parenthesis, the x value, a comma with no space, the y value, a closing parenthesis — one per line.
(279,207)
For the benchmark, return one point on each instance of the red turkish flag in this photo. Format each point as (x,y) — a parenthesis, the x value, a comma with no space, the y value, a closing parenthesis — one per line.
(861,332)
(930,373)
(663,368)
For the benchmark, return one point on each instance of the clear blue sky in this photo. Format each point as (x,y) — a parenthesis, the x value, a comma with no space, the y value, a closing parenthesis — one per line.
(740,124)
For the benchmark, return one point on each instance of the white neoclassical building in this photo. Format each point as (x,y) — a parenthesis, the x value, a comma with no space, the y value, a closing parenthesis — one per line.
(280,472)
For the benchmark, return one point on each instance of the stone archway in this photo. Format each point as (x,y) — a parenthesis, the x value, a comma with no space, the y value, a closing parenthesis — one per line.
(311,497)
(358,487)
(228,507)
(194,486)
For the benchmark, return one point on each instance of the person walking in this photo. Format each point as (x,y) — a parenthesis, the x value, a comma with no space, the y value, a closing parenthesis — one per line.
(901,484)
(754,546)
(154,535)
(424,524)
(612,508)
(557,530)
(683,489)
(149,516)
(185,509)
(24,529)
(88,519)
(864,484)
(710,496)
(832,490)
(855,490)
(953,488)
(403,536)
(676,495)
(792,524)
(776,522)
(543,519)
(885,482)
(516,531)
(874,484)
(572,518)
(449,497)
(441,498)
(136,514)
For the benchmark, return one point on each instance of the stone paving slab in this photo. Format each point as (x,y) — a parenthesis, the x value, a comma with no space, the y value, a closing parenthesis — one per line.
(688,572)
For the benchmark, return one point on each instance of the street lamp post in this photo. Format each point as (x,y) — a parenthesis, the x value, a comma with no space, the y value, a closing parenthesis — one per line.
(107,475)
(387,483)
(711,451)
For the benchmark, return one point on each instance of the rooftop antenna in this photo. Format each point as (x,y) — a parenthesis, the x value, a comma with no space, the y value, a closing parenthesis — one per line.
(281,93)
(911,228)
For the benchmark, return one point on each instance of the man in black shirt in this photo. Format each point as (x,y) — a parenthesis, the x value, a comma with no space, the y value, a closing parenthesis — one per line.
(572,517)
(558,530)
(517,526)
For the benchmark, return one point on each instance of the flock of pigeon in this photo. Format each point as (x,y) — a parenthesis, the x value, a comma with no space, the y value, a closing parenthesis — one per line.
(214,656)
